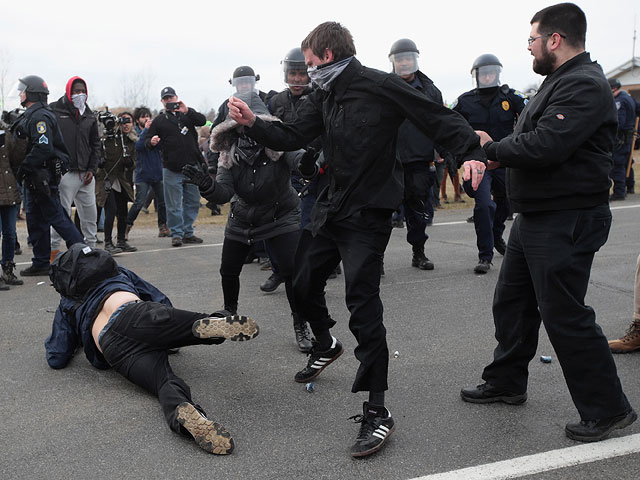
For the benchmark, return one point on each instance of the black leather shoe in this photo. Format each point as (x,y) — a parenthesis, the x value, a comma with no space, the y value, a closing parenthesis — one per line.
(482,267)
(419,260)
(303,334)
(35,271)
(487,393)
(271,283)
(596,430)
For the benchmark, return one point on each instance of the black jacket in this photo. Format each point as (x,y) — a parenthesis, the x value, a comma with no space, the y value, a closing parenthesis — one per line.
(39,126)
(495,114)
(559,155)
(80,133)
(264,204)
(178,148)
(413,144)
(358,120)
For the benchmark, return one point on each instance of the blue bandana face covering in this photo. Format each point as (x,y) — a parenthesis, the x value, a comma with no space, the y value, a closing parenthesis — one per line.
(324,75)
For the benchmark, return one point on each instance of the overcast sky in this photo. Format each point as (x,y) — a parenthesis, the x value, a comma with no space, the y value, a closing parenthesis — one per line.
(194,46)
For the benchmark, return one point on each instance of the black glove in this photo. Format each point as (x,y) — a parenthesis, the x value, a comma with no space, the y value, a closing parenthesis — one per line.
(196,176)
(307,165)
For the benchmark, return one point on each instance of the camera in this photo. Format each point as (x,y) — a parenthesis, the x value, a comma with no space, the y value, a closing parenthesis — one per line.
(12,116)
(109,120)
(172,106)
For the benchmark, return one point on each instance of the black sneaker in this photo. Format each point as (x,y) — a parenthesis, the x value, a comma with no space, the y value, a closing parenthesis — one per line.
(209,436)
(176,242)
(125,247)
(318,361)
(482,267)
(376,426)
(271,283)
(192,239)
(35,271)
(596,430)
(111,248)
(487,393)
(500,245)
(237,328)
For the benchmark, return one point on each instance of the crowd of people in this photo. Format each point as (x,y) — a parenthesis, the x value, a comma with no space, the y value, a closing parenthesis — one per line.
(316,176)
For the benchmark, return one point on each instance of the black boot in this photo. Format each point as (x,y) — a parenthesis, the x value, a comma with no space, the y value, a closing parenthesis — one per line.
(8,276)
(419,259)
(303,334)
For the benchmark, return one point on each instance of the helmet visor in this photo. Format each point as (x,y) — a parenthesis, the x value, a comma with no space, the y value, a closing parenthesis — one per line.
(295,74)
(487,76)
(404,63)
(244,84)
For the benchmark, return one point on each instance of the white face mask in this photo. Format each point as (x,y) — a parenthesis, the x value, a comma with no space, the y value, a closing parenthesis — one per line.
(79,101)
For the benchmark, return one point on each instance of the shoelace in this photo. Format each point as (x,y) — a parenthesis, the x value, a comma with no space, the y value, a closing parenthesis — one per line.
(366,426)
(633,331)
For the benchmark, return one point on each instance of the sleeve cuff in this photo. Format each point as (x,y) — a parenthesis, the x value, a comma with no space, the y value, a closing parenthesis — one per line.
(491,150)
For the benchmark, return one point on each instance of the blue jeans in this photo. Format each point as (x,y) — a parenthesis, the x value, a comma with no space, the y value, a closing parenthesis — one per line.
(8,222)
(182,202)
(142,190)
(43,212)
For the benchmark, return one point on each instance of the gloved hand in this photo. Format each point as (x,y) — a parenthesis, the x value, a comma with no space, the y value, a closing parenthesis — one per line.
(196,176)
(307,165)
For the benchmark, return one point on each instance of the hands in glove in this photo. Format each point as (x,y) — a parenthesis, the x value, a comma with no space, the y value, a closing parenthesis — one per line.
(196,176)
(307,165)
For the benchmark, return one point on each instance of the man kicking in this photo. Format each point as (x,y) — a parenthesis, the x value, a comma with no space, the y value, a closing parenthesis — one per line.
(126,323)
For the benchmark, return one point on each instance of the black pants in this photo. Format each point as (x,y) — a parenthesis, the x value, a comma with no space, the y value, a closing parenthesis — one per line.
(417,192)
(544,277)
(115,207)
(282,248)
(136,344)
(360,242)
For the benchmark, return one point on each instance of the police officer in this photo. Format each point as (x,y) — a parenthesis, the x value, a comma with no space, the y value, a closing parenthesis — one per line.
(416,151)
(45,162)
(626,124)
(493,108)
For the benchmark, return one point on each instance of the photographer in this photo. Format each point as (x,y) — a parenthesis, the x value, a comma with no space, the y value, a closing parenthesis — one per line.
(114,189)
(45,162)
(174,130)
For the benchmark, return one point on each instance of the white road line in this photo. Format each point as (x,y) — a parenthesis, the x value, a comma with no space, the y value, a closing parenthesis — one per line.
(545,461)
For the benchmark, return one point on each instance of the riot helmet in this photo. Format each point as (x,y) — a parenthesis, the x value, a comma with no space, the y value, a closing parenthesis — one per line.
(486,71)
(295,63)
(404,57)
(35,88)
(244,79)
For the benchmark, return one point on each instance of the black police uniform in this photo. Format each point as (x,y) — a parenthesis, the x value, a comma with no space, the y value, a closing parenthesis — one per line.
(416,152)
(45,161)
(495,111)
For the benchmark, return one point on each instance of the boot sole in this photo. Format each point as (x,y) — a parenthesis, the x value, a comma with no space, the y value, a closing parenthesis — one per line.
(319,371)
(623,423)
(236,328)
(509,400)
(376,448)
(209,436)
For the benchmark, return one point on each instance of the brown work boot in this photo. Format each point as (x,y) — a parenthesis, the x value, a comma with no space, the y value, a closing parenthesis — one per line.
(630,342)
(163,231)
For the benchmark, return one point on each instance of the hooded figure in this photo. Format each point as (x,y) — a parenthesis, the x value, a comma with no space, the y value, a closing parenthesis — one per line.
(264,206)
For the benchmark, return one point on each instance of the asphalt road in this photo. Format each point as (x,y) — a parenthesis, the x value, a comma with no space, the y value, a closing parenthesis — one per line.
(80,422)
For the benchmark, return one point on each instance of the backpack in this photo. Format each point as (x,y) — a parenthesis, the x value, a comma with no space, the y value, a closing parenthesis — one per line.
(80,269)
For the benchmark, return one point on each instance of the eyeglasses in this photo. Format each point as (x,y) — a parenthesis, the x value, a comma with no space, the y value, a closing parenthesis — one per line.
(530,40)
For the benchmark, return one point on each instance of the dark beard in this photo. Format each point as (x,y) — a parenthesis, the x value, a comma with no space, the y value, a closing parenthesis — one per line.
(545,65)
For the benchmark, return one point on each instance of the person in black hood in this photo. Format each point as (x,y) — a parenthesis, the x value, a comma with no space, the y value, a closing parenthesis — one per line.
(566,131)
(264,206)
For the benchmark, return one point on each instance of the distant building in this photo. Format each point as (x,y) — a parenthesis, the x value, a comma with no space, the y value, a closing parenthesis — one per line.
(629,75)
